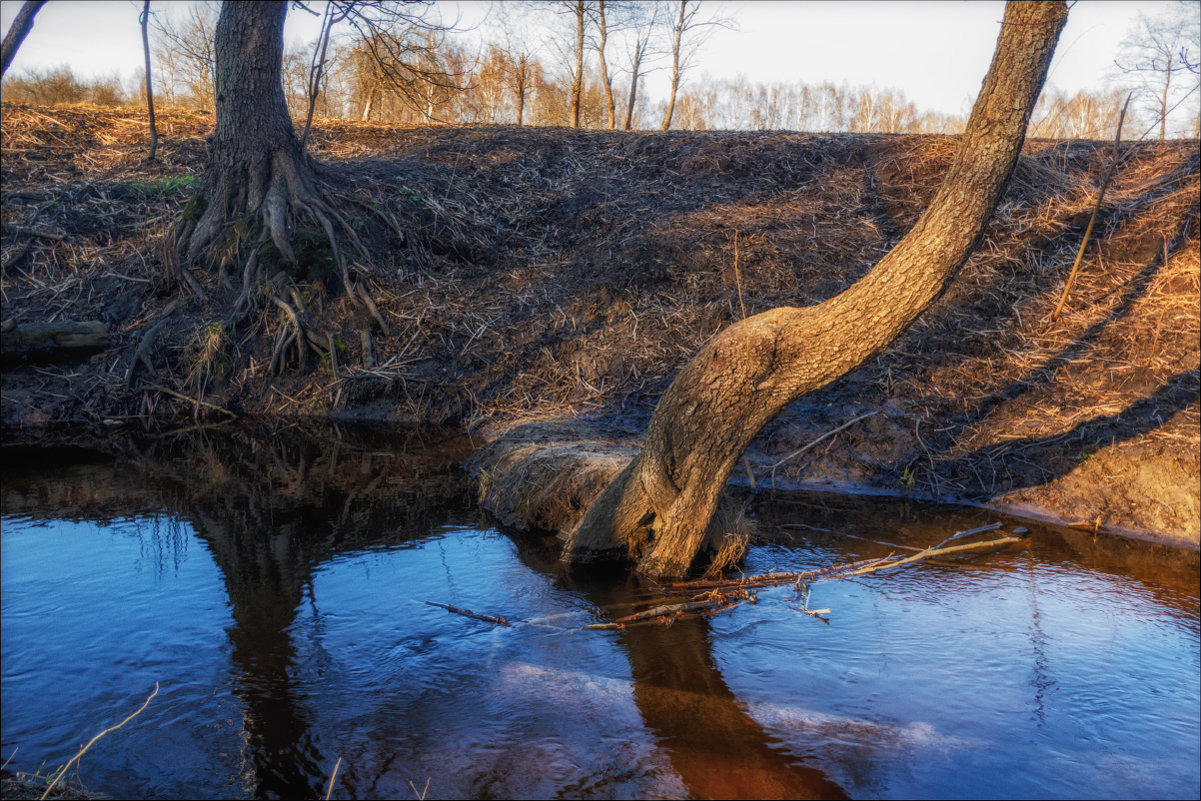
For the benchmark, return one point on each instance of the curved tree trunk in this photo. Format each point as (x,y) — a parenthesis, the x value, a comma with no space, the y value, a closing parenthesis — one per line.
(658,509)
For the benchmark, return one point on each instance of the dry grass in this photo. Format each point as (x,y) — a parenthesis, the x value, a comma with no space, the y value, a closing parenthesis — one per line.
(547,272)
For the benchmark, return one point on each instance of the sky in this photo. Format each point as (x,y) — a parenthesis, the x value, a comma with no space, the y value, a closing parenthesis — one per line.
(936,52)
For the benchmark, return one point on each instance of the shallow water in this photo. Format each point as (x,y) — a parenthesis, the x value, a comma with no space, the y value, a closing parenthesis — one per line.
(274,591)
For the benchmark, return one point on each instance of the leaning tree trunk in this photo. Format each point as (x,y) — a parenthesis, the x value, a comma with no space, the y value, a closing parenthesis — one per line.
(658,509)
(21,26)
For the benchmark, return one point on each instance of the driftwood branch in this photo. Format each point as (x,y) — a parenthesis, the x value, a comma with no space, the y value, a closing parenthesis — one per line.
(724,594)
(188,398)
(500,621)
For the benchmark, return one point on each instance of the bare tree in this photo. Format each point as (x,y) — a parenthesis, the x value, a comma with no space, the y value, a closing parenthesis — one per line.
(1159,58)
(643,28)
(1084,115)
(401,51)
(521,53)
(20,28)
(258,185)
(189,45)
(333,14)
(606,16)
(46,87)
(688,34)
(578,9)
(144,19)
(658,510)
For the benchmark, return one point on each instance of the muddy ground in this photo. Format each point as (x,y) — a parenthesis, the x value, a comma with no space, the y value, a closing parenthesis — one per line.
(555,275)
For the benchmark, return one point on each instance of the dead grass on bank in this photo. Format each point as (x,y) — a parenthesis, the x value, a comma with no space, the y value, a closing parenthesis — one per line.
(554,272)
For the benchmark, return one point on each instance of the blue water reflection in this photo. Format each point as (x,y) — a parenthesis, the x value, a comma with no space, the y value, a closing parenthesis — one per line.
(289,635)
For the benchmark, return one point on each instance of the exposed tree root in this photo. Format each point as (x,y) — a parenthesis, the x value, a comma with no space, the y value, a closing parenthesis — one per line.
(251,217)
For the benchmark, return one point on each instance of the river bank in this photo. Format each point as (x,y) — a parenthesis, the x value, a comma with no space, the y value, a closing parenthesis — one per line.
(550,276)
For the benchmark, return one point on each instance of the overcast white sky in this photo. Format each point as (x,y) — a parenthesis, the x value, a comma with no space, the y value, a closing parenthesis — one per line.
(936,52)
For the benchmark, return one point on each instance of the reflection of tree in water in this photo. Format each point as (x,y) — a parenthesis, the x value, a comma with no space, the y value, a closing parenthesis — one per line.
(716,747)
(270,510)
(271,513)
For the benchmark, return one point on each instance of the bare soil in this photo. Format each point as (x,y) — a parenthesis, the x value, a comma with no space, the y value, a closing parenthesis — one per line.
(545,274)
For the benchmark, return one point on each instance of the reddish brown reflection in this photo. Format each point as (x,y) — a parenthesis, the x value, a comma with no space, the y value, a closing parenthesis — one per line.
(717,748)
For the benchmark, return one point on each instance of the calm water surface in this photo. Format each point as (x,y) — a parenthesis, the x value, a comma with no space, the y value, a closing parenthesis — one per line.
(274,589)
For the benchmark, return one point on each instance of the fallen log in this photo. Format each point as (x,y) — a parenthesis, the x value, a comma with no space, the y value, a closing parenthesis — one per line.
(52,340)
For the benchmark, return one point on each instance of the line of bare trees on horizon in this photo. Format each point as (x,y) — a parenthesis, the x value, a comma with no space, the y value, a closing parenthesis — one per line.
(582,63)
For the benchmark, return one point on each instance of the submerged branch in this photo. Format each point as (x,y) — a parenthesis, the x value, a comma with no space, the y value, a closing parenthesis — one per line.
(500,621)
(724,594)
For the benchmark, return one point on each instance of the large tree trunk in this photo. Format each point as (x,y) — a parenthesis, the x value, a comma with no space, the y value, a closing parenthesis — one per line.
(658,509)
(259,186)
(20,28)
(256,164)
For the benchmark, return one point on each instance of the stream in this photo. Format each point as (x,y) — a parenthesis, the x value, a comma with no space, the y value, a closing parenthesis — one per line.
(273,586)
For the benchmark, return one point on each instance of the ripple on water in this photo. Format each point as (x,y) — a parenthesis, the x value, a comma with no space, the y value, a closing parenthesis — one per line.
(1027,673)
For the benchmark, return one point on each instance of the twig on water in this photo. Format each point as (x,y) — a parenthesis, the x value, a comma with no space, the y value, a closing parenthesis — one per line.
(75,759)
(724,594)
(500,621)
(329,791)
(926,554)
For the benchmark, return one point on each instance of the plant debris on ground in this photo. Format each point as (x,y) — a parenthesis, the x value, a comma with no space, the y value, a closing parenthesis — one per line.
(551,273)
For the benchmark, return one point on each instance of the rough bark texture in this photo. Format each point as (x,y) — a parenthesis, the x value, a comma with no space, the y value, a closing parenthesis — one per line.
(256,165)
(577,79)
(658,509)
(145,20)
(22,25)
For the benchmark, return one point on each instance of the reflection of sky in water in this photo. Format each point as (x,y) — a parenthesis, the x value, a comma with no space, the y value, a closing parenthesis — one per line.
(1019,677)
(1034,681)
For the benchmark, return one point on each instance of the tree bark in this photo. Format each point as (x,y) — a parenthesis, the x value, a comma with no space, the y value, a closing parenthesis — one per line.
(149,81)
(602,41)
(657,511)
(256,165)
(577,84)
(633,96)
(22,25)
(675,67)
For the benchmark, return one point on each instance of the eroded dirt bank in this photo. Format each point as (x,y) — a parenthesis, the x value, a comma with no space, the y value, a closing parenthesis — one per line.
(547,274)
